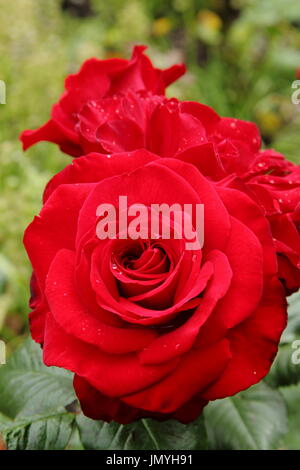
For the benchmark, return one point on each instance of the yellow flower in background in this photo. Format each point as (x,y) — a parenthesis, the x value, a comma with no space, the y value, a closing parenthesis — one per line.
(269,122)
(161,26)
(210,20)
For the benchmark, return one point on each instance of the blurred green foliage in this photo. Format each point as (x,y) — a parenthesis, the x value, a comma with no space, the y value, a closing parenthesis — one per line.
(241,55)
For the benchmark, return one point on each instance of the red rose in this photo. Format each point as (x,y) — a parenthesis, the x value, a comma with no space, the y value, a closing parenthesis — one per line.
(99,79)
(275,183)
(148,327)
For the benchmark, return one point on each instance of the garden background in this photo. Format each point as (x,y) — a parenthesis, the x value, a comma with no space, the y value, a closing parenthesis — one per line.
(242,57)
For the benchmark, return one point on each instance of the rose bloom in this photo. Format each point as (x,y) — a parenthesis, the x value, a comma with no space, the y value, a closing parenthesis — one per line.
(275,183)
(99,79)
(149,328)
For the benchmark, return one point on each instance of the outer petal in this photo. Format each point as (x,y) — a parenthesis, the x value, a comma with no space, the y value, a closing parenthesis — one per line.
(237,129)
(206,159)
(44,237)
(95,405)
(96,167)
(253,344)
(51,132)
(197,369)
(113,375)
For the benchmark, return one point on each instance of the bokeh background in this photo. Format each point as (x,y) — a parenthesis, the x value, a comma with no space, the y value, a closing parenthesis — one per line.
(241,55)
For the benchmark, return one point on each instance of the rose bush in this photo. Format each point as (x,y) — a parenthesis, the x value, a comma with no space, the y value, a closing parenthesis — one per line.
(149,328)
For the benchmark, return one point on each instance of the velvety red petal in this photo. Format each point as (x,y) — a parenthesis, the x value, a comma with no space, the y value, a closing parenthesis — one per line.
(253,344)
(216,218)
(95,405)
(71,314)
(44,237)
(237,129)
(181,339)
(246,287)
(113,375)
(206,159)
(205,114)
(96,167)
(195,372)
(50,132)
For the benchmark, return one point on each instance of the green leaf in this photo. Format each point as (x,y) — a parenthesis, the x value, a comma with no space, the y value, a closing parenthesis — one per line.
(75,441)
(33,400)
(293,327)
(146,434)
(291,396)
(284,371)
(42,432)
(28,387)
(255,419)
